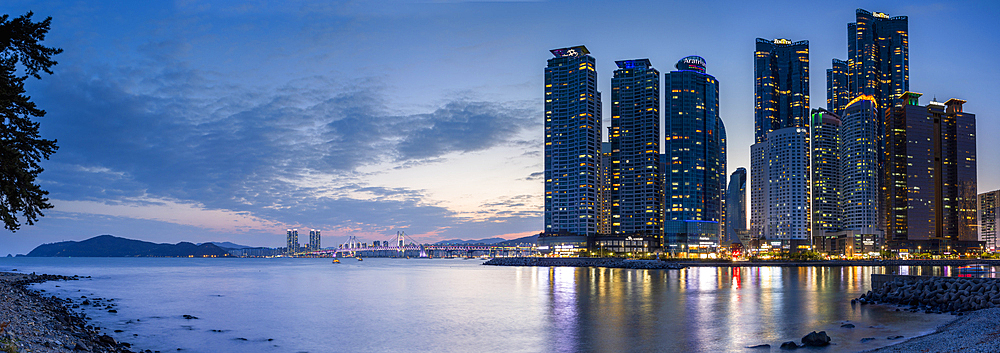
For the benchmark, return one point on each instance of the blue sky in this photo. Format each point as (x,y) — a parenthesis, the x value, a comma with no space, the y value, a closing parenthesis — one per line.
(232,121)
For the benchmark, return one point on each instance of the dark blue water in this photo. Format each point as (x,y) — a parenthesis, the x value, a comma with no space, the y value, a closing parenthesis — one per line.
(453,305)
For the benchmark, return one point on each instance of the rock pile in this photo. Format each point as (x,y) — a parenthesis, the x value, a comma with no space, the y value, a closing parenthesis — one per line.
(583,262)
(937,294)
(36,323)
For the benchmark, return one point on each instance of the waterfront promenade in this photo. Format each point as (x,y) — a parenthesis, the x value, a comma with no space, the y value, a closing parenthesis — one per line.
(678,264)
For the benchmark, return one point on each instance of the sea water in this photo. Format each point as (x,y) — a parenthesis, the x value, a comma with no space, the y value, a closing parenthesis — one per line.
(456,305)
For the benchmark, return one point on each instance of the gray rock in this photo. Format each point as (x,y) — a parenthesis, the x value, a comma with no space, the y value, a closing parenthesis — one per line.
(789,345)
(816,339)
(765,345)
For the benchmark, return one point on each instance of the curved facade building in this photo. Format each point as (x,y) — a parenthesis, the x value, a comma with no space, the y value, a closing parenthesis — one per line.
(859,158)
(694,145)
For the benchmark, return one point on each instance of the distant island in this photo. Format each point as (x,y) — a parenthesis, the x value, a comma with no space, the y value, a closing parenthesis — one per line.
(112,246)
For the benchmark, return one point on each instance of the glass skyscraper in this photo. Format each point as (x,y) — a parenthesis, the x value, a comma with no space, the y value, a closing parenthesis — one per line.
(838,92)
(779,170)
(636,183)
(694,146)
(572,144)
(781,89)
(736,207)
(878,57)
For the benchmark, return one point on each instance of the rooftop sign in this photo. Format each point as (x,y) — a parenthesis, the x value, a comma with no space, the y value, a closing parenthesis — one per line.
(693,63)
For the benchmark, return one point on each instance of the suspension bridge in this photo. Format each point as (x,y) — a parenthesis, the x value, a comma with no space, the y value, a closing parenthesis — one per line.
(400,248)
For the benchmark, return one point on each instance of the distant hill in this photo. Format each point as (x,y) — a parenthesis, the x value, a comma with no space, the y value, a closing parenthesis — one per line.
(481,241)
(112,246)
(227,245)
(528,239)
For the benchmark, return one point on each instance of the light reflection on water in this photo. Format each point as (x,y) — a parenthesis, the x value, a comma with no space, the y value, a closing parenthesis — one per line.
(446,305)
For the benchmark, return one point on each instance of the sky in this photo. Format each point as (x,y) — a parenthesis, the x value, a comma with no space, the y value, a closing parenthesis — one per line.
(236,120)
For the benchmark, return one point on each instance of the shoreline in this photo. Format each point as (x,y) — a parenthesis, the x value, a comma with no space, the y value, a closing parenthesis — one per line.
(679,264)
(39,323)
(976,331)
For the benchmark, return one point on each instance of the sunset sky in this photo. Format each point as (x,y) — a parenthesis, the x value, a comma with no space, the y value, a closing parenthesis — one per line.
(232,121)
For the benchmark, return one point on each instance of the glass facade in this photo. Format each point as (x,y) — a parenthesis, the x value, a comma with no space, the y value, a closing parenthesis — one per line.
(694,145)
(736,207)
(878,56)
(779,170)
(838,93)
(781,89)
(636,183)
(572,143)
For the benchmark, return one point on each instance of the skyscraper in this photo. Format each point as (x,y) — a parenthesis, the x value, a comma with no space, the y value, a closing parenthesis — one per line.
(292,243)
(989,205)
(781,90)
(878,57)
(314,240)
(604,224)
(838,91)
(826,172)
(930,178)
(736,207)
(859,191)
(637,189)
(694,148)
(572,145)
(779,170)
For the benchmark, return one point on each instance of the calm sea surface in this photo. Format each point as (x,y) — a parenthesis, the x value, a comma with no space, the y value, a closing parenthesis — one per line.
(454,305)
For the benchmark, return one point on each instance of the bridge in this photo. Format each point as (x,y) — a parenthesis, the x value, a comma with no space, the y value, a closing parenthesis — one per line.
(399,248)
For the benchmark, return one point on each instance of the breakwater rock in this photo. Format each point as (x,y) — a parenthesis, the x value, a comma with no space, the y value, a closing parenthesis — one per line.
(584,262)
(32,322)
(936,294)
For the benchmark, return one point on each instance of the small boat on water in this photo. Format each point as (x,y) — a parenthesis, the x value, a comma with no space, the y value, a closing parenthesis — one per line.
(336,261)
(360,259)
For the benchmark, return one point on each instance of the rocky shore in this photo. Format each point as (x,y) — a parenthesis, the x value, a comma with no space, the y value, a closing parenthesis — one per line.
(33,322)
(974,332)
(936,294)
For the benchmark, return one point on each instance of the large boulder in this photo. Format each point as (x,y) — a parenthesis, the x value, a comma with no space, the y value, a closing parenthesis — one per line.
(816,339)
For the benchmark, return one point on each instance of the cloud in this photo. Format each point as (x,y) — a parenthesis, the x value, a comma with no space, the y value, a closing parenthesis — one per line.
(287,156)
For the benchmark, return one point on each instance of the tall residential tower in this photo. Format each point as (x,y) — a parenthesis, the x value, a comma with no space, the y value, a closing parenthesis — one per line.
(572,145)
(779,159)
(636,183)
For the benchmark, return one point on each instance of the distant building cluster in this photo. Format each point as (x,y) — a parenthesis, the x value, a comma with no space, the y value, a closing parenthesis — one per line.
(873,172)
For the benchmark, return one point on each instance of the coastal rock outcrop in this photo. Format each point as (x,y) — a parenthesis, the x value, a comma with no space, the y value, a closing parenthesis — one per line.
(33,322)
(937,294)
(816,339)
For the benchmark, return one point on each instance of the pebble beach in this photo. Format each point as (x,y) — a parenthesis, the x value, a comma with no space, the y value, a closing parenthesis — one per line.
(33,322)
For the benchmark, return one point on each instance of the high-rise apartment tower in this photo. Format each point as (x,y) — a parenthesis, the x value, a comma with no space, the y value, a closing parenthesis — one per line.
(636,183)
(572,143)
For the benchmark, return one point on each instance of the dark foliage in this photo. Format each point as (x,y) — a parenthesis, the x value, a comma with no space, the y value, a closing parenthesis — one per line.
(21,147)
